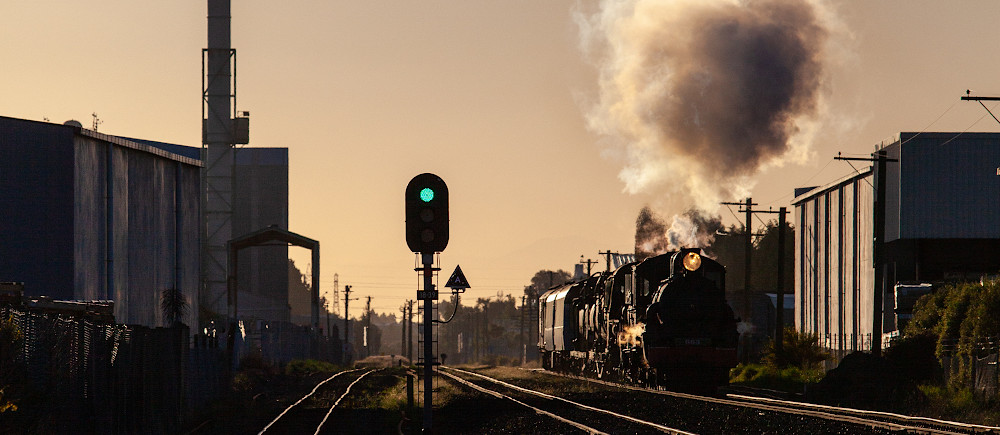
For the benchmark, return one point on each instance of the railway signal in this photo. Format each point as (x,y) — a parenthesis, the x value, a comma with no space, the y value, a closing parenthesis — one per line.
(427,214)
(426,234)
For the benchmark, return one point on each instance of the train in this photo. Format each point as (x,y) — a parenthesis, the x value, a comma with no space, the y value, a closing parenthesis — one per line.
(663,321)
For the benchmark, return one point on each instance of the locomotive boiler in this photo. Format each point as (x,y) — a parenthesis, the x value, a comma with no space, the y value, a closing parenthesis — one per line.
(662,321)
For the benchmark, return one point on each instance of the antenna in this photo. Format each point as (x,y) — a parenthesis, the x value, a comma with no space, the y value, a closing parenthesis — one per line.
(97,121)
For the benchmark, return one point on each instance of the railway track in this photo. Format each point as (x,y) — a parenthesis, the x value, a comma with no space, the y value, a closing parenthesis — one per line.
(301,419)
(584,417)
(911,424)
(874,421)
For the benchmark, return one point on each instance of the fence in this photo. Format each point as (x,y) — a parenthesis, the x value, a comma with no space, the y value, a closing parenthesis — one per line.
(281,342)
(980,365)
(85,375)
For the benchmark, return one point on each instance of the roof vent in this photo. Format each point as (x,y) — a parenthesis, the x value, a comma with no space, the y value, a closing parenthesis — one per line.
(73,123)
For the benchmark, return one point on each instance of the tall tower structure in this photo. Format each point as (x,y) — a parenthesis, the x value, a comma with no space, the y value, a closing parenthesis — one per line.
(220,131)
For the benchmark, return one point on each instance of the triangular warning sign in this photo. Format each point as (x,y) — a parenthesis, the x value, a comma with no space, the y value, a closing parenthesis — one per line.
(457,279)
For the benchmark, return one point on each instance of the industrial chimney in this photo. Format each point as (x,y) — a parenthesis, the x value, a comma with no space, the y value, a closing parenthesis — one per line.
(218,133)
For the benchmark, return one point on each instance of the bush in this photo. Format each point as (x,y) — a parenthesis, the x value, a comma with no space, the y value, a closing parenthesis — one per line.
(12,377)
(913,356)
(863,380)
(791,379)
(800,350)
(962,318)
(306,367)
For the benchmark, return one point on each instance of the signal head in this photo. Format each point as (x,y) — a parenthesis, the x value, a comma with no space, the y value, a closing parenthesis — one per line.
(427,214)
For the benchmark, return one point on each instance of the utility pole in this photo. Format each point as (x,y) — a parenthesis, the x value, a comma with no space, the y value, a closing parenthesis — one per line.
(402,329)
(368,325)
(878,241)
(347,335)
(336,292)
(409,330)
(779,315)
(748,251)
(589,263)
(524,346)
(329,306)
(486,324)
(607,257)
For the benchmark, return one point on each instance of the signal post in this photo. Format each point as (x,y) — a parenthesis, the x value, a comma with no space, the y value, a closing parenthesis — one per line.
(427,234)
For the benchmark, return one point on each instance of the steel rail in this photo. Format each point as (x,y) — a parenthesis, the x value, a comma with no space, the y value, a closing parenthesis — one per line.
(827,414)
(910,419)
(327,416)
(499,395)
(302,399)
(656,426)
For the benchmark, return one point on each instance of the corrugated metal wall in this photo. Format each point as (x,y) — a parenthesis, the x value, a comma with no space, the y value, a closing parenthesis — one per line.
(950,186)
(36,199)
(151,219)
(833,270)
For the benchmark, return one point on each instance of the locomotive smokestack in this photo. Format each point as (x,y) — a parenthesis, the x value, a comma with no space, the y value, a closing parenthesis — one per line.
(703,94)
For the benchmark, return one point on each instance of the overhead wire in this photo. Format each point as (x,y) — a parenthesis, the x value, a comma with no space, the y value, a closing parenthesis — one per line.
(859,173)
(973,124)
(933,122)
(938,118)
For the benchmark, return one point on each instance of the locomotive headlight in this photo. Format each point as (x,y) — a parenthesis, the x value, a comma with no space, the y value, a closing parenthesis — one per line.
(692,261)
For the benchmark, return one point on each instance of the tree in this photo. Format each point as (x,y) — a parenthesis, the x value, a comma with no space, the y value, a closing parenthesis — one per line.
(174,306)
(729,249)
(765,260)
(299,293)
(546,279)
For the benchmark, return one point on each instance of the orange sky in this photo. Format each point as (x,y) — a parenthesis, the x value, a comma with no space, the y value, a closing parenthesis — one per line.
(490,95)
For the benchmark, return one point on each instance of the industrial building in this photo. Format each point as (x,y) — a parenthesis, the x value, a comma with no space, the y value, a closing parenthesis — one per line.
(90,216)
(260,199)
(941,223)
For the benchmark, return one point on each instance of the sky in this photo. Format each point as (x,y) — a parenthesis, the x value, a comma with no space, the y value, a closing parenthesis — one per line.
(502,99)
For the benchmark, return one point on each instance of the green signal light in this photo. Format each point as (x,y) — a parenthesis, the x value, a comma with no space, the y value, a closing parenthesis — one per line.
(427,194)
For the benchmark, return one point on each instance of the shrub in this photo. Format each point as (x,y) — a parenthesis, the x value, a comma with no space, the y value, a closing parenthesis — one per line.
(12,378)
(769,376)
(962,318)
(306,367)
(913,356)
(800,350)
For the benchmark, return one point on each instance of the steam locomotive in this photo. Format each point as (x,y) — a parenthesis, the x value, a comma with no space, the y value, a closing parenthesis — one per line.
(662,321)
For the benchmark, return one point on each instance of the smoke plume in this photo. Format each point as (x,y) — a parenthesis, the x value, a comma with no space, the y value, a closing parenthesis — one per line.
(692,229)
(702,94)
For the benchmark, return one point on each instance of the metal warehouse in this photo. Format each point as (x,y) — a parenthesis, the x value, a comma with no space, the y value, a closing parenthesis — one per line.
(941,223)
(89,216)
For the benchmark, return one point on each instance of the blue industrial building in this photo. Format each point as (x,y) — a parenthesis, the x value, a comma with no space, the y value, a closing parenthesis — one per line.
(942,223)
(89,216)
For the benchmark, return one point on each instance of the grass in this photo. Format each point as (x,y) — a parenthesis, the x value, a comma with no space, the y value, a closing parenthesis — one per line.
(306,367)
(959,405)
(790,379)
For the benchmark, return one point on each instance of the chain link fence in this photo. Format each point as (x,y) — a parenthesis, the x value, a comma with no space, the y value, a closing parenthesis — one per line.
(83,374)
